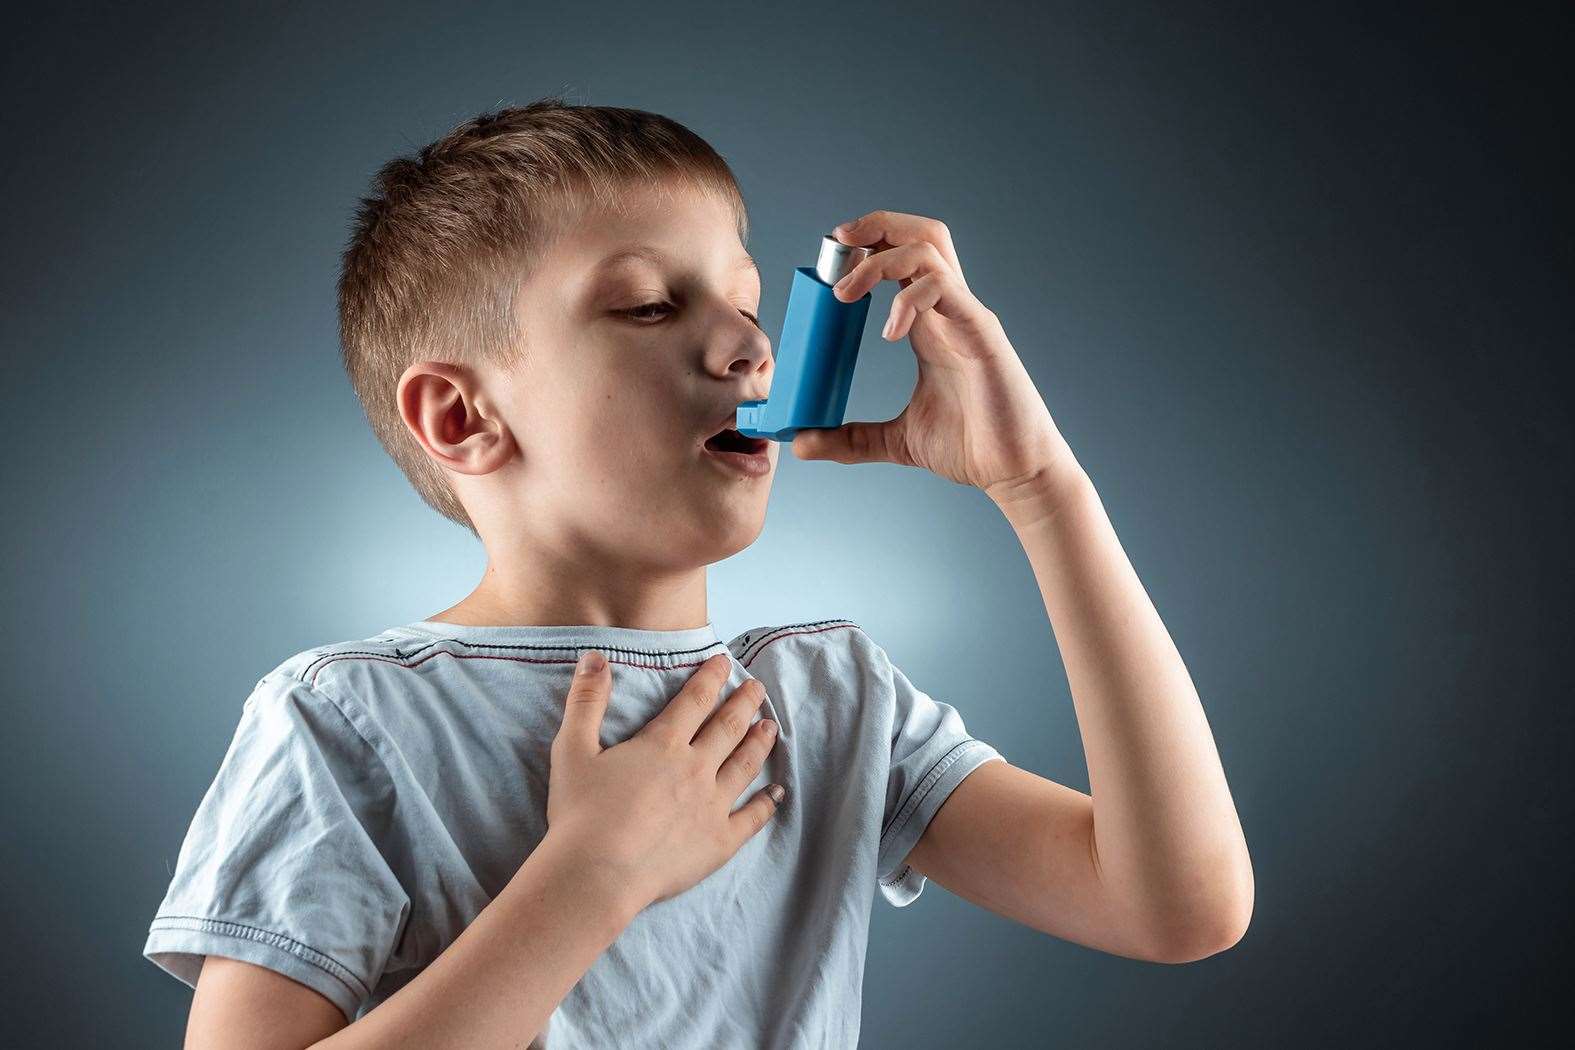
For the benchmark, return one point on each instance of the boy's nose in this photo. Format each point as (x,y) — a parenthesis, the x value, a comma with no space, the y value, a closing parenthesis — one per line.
(752,357)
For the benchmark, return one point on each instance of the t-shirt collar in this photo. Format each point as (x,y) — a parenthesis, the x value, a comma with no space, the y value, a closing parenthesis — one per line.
(684,641)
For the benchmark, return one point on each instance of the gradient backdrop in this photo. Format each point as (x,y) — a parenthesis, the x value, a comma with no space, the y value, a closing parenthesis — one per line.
(1292,281)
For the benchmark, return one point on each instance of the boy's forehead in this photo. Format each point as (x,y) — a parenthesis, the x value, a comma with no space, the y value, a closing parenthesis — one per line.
(592,259)
(636,254)
(651,227)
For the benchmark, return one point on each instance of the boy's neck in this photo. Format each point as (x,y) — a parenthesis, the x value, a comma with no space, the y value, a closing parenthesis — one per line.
(663,604)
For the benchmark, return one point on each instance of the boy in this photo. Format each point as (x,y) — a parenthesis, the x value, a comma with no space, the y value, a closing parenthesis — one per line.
(546,316)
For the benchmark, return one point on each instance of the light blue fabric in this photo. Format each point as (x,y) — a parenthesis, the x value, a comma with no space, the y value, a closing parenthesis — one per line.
(379,793)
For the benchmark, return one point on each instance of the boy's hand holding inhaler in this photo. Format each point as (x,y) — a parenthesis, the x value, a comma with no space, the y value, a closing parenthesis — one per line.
(975,416)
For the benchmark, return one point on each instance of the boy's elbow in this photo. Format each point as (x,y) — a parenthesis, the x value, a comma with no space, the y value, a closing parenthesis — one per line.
(1201,944)
(1210,930)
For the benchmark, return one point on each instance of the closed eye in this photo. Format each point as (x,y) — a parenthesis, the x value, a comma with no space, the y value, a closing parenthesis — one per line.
(637,312)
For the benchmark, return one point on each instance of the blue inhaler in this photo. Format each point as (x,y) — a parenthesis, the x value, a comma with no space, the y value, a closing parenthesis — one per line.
(817,351)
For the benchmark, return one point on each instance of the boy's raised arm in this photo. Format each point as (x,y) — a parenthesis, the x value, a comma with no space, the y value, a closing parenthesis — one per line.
(1163,868)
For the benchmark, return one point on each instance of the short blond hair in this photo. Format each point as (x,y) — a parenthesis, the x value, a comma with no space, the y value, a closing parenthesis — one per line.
(439,248)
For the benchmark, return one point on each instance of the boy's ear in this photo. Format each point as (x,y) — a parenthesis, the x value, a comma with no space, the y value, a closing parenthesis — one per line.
(446,410)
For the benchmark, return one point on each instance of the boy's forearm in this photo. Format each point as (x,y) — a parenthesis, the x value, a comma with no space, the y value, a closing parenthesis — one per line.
(501,979)
(1166,832)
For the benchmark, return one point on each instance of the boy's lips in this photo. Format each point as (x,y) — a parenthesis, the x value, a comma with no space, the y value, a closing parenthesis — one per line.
(748,456)
(752,464)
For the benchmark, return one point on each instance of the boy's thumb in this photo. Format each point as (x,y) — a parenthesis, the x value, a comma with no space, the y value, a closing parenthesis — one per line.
(586,702)
(850,443)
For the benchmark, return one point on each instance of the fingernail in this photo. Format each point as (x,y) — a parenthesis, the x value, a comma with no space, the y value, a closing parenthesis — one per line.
(592,661)
(777,793)
(768,725)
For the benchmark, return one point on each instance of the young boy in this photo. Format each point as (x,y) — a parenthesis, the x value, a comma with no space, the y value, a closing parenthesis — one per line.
(546,315)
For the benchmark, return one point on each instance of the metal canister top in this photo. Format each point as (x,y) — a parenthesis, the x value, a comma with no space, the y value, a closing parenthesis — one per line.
(838,259)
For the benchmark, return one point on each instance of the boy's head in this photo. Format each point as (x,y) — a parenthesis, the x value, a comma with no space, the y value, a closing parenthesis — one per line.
(529,388)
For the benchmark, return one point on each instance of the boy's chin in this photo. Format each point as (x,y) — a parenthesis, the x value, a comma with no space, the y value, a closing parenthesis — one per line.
(726,547)
(731,524)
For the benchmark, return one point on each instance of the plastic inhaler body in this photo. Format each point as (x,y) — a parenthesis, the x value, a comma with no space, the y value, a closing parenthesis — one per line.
(816,353)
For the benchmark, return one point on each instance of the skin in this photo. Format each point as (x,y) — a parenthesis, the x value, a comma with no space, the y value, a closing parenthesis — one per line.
(1152,864)
(584,475)
(583,470)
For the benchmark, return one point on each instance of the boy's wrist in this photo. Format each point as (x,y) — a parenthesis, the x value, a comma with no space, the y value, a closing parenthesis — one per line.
(555,859)
(1043,496)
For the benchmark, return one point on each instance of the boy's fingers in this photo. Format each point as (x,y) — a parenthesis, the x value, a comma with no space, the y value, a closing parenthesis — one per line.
(752,815)
(905,263)
(745,761)
(896,227)
(729,722)
(937,291)
(680,719)
(586,703)
(860,441)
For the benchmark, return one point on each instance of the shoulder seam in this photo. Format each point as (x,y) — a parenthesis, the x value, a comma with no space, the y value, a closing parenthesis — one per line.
(752,648)
(327,653)
(301,663)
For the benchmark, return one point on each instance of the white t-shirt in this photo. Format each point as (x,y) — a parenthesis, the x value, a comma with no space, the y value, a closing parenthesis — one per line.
(379,793)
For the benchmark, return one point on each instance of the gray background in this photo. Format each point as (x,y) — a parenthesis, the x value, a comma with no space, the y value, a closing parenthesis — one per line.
(1291,280)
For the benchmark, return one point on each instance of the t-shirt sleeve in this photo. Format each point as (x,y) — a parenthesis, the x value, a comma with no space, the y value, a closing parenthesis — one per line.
(931,753)
(281,866)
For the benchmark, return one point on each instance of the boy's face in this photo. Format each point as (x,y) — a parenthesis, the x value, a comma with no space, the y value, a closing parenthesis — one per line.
(631,364)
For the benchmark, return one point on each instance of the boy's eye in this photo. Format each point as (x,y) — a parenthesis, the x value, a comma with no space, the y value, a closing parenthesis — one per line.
(638,312)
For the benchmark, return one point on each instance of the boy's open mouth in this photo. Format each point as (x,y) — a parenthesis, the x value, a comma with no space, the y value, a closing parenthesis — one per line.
(730,440)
